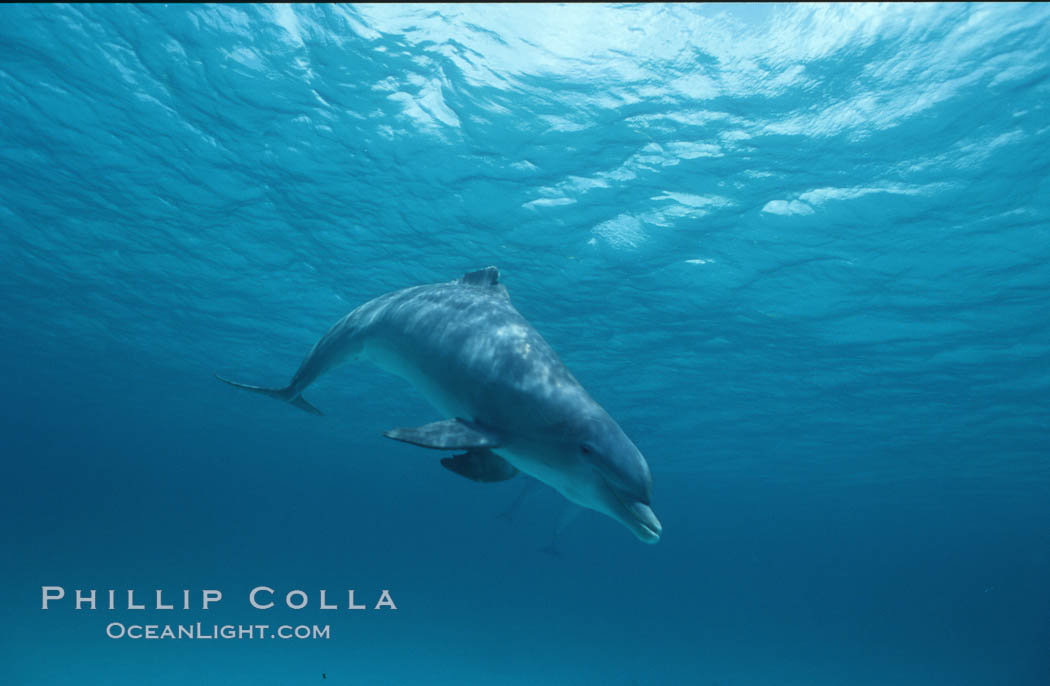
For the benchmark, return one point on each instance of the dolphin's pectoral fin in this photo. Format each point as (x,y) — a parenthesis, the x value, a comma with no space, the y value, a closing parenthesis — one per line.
(451,434)
(480,465)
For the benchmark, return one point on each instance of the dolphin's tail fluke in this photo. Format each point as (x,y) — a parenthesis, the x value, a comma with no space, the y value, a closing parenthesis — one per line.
(286,394)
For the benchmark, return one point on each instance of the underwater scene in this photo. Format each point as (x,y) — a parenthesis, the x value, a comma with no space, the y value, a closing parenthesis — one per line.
(631,345)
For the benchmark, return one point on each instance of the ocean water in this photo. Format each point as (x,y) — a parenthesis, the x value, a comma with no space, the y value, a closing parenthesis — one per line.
(801,254)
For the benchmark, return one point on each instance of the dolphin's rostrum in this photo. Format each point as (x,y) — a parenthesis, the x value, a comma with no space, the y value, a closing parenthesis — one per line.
(511,403)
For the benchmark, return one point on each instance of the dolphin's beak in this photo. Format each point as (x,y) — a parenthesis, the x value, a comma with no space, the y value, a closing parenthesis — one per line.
(638,517)
(645,525)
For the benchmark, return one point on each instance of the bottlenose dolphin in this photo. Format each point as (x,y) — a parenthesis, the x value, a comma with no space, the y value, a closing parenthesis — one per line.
(512,404)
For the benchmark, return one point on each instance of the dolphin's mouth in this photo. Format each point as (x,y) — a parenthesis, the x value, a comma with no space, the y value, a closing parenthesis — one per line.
(649,527)
(640,519)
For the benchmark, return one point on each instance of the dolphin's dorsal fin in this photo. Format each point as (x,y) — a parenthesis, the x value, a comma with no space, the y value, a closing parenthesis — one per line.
(489,276)
(451,434)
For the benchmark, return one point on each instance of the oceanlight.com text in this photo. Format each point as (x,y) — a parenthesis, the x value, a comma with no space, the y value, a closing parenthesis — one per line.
(200,631)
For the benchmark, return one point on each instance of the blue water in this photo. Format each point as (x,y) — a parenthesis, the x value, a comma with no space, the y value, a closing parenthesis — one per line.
(801,254)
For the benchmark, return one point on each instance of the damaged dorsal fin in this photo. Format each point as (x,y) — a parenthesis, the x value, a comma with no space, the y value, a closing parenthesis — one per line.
(489,276)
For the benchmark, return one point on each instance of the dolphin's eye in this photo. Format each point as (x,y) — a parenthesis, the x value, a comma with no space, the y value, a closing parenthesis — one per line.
(586,448)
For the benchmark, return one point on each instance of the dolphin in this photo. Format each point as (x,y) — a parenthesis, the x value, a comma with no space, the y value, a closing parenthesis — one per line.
(511,405)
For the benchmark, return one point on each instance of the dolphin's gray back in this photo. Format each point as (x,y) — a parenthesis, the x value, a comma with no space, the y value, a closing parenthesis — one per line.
(465,344)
